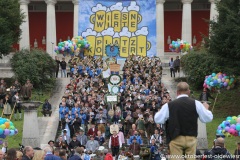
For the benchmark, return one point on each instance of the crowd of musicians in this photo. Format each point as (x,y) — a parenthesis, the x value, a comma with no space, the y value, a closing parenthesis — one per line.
(86,118)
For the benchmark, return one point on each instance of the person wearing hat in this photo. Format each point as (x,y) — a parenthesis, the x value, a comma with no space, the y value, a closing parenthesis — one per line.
(92,145)
(82,138)
(135,148)
(101,120)
(65,136)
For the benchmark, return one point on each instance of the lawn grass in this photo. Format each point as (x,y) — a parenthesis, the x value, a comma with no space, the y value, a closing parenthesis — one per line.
(227,104)
(13,141)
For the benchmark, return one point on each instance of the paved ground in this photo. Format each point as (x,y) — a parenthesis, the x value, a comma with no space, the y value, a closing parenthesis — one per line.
(48,125)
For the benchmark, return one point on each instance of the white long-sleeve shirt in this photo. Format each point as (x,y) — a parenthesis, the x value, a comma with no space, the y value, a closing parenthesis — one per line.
(119,140)
(204,114)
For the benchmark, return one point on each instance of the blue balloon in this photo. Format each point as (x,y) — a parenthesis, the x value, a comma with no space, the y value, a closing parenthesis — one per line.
(213,74)
(227,123)
(2,136)
(229,118)
(12,132)
(219,131)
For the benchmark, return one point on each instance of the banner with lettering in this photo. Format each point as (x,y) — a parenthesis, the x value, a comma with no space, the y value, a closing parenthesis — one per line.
(129,24)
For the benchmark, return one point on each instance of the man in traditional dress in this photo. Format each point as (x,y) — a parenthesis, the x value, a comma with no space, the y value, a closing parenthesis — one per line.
(27,90)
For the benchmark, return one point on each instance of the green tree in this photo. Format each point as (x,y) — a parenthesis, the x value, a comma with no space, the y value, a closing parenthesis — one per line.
(37,65)
(224,42)
(10,20)
(196,65)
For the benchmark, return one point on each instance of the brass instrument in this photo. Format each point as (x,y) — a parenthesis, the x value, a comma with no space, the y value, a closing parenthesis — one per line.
(76,60)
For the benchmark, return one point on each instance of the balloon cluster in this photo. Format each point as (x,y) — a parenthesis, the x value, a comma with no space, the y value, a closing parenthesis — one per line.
(231,126)
(180,45)
(217,80)
(77,44)
(6,129)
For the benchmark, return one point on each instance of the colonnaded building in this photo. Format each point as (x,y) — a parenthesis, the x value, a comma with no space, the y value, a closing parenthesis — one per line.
(49,22)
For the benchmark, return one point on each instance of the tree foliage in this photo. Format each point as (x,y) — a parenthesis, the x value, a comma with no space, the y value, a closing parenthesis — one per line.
(197,65)
(10,20)
(37,65)
(224,39)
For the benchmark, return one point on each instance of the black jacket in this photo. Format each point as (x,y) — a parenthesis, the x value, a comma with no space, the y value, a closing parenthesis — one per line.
(24,157)
(63,65)
(73,144)
(218,152)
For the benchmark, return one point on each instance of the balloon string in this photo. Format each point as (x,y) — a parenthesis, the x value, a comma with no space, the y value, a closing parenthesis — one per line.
(215,102)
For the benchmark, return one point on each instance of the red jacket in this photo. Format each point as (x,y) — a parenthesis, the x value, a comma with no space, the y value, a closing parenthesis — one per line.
(108,157)
(91,132)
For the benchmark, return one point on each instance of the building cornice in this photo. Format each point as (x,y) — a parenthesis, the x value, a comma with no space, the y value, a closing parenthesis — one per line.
(24,2)
(187,1)
(52,2)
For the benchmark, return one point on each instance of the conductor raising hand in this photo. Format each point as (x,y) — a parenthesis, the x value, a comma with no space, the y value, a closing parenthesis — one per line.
(182,116)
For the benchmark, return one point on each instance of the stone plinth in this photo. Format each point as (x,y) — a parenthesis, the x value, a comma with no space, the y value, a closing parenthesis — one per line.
(202,136)
(30,124)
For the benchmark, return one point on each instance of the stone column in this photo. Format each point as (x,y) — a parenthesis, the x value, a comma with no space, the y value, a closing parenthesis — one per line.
(51,27)
(30,124)
(160,27)
(187,21)
(24,42)
(213,10)
(75,17)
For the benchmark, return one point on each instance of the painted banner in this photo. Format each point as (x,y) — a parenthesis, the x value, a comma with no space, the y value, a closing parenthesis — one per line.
(129,24)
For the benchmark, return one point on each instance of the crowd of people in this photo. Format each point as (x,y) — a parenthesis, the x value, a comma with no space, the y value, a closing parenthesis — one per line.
(86,118)
(133,127)
(10,97)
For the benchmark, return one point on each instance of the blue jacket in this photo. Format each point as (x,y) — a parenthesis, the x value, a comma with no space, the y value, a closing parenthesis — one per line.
(138,138)
(63,111)
(51,157)
(75,157)
(99,71)
(73,111)
(83,117)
